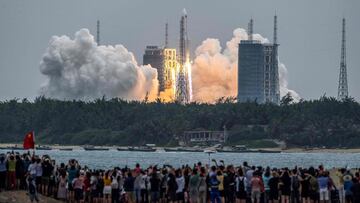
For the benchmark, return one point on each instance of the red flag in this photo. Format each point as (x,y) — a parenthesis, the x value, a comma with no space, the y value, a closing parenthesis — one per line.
(29,140)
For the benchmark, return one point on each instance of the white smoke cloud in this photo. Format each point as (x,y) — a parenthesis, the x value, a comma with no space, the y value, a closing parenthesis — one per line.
(79,69)
(214,71)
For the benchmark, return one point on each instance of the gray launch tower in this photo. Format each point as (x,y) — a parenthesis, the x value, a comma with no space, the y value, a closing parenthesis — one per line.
(343,83)
(258,72)
(182,82)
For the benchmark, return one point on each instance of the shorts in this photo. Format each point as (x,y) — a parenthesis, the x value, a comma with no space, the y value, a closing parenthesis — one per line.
(155,196)
(70,187)
(256,195)
(107,190)
(324,194)
(38,180)
(313,195)
(180,196)
(241,195)
(171,196)
(222,193)
(94,194)
(45,180)
(79,194)
(274,195)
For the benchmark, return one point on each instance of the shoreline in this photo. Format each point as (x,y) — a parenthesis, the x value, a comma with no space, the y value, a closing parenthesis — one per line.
(289,150)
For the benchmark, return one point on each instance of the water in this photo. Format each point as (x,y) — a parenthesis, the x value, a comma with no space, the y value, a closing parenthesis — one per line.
(112,158)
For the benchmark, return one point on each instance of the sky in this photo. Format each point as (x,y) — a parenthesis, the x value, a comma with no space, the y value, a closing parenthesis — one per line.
(309,33)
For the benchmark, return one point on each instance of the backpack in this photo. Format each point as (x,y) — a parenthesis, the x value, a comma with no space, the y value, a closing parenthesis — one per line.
(295,184)
(241,184)
(314,185)
(202,184)
(214,182)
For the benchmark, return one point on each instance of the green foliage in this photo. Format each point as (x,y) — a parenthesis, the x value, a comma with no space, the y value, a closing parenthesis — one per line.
(323,122)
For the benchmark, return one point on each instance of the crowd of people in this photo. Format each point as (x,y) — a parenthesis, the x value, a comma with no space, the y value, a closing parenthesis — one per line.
(219,183)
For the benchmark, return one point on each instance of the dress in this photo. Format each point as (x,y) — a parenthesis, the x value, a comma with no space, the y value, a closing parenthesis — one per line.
(62,191)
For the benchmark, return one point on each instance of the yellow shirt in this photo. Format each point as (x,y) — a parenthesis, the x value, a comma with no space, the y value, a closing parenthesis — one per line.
(221,180)
(107,181)
(12,165)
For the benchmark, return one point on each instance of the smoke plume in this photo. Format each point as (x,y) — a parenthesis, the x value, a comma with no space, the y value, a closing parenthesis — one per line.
(80,69)
(214,71)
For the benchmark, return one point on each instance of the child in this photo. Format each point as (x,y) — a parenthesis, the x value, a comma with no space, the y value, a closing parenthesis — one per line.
(32,189)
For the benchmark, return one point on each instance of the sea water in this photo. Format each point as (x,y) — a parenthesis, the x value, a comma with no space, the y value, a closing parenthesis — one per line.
(114,158)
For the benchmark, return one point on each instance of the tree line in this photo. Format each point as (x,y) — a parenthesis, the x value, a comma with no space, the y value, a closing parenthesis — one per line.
(312,123)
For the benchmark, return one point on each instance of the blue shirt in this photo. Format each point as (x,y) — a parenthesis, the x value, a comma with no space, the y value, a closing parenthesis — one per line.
(3,166)
(323,182)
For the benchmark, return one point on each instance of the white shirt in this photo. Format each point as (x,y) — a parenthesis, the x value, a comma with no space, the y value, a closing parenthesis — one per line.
(180,181)
(32,169)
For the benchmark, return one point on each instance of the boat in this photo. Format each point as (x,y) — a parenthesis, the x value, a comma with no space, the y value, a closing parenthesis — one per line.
(43,148)
(236,151)
(209,151)
(180,149)
(65,149)
(269,151)
(142,149)
(92,148)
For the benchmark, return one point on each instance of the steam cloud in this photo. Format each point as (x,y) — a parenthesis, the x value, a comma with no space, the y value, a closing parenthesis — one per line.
(214,72)
(80,69)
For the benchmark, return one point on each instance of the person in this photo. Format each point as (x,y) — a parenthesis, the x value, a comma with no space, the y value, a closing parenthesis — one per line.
(94,193)
(171,187)
(313,185)
(249,174)
(202,186)
(240,183)
(107,187)
(143,186)
(274,187)
(78,186)
(129,187)
(11,172)
(220,177)
(62,191)
(266,177)
(229,184)
(163,184)
(72,171)
(180,181)
(39,173)
(19,172)
(355,189)
(348,183)
(285,186)
(2,172)
(154,186)
(100,185)
(115,188)
(256,187)
(323,180)
(137,183)
(47,169)
(295,186)
(214,187)
(32,189)
(87,186)
(304,185)
(194,184)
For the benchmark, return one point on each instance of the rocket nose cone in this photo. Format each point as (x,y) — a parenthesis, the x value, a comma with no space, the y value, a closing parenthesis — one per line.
(184,12)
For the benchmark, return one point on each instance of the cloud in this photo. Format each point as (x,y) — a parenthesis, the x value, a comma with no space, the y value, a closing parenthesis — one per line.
(80,69)
(214,71)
